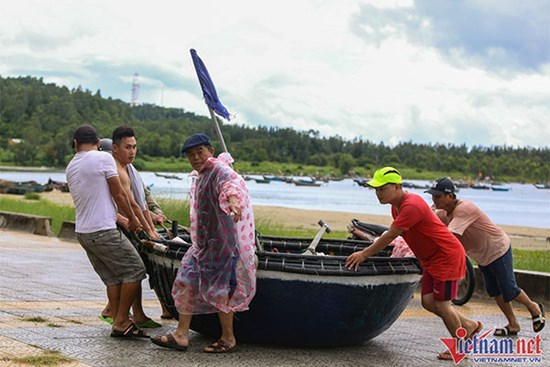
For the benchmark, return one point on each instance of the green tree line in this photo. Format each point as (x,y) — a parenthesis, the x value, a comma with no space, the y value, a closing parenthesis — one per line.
(37,121)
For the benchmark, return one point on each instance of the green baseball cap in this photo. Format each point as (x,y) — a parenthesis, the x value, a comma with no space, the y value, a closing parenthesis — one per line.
(385,176)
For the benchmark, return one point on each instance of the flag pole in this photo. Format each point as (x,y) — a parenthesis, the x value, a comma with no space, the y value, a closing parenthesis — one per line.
(218,130)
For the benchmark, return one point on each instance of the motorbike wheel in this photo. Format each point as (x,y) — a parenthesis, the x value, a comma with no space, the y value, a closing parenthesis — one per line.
(466,286)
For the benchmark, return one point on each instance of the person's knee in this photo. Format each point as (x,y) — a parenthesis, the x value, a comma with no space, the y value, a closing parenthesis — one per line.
(512,294)
(428,303)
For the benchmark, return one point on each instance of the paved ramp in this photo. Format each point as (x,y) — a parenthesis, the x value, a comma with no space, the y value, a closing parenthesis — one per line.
(50,298)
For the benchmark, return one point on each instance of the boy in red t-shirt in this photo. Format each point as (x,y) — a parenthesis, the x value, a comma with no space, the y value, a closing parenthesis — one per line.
(440,253)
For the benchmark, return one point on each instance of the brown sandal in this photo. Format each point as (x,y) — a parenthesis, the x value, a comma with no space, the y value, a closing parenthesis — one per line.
(169,343)
(221,346)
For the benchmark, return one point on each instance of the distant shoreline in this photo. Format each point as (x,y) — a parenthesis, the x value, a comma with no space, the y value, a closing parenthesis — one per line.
(30,169)
(532,238)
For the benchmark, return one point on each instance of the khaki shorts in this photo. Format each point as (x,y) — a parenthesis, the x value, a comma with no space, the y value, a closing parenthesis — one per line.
(113,256)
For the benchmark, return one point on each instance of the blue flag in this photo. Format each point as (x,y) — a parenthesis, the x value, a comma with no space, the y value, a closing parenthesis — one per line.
(207,86)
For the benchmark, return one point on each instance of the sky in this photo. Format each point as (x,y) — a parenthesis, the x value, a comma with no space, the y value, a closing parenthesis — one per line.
(427,71)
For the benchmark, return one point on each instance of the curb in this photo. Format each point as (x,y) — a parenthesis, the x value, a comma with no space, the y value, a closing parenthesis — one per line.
(536,284)
(34,224)
(67,231)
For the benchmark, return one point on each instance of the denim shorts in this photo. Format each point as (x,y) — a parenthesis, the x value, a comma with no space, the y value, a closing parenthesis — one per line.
(499,277)
(113,256)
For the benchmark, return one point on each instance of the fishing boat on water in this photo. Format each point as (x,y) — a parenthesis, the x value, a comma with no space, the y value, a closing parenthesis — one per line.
(503,188)
(262,180)
(306,183)
(22,188)
(480,186)
(361,181)
(276,178)
(168,176)
(304,300)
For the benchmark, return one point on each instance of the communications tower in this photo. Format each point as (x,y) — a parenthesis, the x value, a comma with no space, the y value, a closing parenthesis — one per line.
(135,90)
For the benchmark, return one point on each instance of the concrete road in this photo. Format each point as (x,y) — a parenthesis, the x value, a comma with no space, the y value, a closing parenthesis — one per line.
(50,299)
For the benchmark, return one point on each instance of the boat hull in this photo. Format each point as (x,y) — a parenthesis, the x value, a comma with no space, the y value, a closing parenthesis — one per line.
(300,311)
(306,300)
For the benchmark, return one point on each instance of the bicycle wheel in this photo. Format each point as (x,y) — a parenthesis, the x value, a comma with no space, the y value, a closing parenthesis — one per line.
(466,286)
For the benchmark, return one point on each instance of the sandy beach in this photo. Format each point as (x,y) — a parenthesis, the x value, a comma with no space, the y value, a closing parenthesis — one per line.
(532,238)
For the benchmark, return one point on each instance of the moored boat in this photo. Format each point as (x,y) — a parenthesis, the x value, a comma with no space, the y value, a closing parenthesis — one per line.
(361,181)
(306,183)
(22,188)
(168,176)
(305,300)
(480,187)
(500,188)
(262,180)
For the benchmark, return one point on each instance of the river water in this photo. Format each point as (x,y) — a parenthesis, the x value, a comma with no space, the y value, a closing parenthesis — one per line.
(523,205)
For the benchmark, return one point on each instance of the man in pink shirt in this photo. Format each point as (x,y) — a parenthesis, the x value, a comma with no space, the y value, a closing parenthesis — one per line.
(490,247)
(440,253)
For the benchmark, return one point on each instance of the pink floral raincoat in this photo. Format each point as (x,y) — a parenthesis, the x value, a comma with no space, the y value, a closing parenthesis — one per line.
(218,272)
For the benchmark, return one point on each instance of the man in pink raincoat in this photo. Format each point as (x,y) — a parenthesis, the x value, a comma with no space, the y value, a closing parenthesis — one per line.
(217,274)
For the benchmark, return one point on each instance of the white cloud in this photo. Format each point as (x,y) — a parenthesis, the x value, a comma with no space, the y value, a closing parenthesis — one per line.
(343,68)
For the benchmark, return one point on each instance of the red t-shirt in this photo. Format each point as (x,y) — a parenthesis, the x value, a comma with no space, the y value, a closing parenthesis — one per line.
(439,251)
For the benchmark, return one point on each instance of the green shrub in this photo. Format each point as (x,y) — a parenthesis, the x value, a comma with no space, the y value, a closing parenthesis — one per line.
(32,196)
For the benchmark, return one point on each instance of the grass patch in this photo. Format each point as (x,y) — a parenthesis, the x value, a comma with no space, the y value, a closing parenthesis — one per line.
(53,324)
(58,213)
(49,359)
(531,260)
(34,319)
(175,210)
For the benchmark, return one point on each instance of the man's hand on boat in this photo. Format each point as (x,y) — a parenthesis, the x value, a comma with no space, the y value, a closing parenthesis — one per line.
(158,218)
(131,226)
(135,225)
(353,260)
(153,234)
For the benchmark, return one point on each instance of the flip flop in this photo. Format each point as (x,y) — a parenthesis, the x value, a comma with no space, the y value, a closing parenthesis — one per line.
(169,317)
(445,356)
(169,343)
(132,331)
(539,321)
(476,330)
(107,319)
(221,346)
(149,324)
(505,331)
